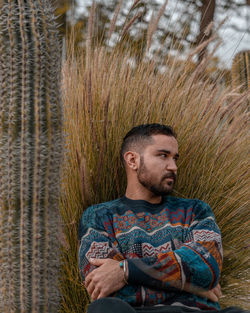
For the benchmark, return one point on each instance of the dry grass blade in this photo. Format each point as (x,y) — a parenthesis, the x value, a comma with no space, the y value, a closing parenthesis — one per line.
(130,23)
(209,29)
(114,18)
(201,47)
(90,33)
(154,24)
(135,4)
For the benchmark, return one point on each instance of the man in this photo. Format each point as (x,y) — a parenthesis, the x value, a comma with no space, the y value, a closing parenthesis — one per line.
(149,251)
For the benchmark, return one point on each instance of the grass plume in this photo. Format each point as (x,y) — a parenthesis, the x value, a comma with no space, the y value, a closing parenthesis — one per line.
(114,18)
(153,25)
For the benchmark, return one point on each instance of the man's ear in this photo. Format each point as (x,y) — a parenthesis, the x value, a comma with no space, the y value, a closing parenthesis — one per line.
(132,160)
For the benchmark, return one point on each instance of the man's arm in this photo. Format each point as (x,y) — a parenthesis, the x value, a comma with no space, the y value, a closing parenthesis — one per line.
(105,280)
(194,265)
(97,244)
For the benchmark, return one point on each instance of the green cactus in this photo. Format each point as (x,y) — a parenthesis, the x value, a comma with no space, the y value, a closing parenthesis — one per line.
(30,156)
(241,71)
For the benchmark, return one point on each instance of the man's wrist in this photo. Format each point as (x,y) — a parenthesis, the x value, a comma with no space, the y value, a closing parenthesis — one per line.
(124,267)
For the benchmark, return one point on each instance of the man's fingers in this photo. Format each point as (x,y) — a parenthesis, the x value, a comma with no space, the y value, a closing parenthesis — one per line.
(88,279)
(209,294)
(217,291)
(95,293)
(91,288)
(212,296)
(86,282)
(98,292)
(97,262)
(102,295)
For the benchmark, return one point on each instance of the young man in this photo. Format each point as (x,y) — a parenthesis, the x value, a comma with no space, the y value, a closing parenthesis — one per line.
(149,251)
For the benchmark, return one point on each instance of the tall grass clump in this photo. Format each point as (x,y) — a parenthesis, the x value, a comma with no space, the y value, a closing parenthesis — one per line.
(106,95)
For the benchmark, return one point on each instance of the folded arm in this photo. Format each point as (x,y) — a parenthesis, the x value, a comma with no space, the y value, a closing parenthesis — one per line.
(193,266)
(104,276)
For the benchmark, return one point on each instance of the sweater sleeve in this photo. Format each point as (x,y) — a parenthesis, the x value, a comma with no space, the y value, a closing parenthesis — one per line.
(98,241)
(194,264)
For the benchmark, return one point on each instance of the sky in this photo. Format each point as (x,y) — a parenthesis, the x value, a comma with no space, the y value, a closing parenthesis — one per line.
(232,41)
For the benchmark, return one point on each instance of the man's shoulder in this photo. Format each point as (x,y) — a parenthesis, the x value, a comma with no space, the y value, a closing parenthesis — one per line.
(95,215)
(105,205)
(102,208)
(186,202)
(199,208)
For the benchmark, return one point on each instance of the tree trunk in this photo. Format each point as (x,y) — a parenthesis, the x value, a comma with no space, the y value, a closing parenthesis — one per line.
(207,17)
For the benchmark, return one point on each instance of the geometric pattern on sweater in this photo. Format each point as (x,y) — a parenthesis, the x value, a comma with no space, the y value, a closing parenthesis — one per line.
(98,250)
(168,246)
(146,250)
(150,250)
(207,236)
(148,221)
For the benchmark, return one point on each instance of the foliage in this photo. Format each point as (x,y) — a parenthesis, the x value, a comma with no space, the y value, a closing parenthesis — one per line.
(183,24)
(105,95)
(30,157)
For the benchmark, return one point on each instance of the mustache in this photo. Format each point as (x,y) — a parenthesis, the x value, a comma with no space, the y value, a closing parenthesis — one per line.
(170,175)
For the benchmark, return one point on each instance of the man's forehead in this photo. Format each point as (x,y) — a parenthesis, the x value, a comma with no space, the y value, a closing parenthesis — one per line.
(161,141)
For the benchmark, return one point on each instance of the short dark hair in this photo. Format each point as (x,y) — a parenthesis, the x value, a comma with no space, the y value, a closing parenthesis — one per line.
(141,134)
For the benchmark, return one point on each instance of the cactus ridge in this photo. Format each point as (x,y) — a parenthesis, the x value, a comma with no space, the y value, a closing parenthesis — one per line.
(50,177)
(241,70)
(25,206)
(3,172)
(12,157)
(30,156)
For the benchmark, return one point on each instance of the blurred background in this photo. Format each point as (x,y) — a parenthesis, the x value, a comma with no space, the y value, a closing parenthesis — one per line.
(180,27)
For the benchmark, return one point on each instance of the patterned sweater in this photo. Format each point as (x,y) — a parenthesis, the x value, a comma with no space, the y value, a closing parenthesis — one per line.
(168,246)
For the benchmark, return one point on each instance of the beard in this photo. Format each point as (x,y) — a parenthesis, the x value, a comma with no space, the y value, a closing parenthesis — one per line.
(154,184)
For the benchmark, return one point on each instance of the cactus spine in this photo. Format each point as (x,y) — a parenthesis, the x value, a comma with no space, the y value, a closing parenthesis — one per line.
(30,156)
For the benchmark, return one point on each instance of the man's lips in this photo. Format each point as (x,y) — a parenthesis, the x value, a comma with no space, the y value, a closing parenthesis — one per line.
(170,177)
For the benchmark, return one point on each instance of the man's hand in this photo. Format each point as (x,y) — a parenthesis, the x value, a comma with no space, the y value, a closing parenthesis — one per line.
(107,278)
(213,294)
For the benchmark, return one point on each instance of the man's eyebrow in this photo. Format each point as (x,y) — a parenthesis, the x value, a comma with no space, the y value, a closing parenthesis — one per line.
(168,152)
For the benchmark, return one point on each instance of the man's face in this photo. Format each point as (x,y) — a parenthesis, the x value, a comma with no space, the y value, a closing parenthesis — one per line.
(158,169)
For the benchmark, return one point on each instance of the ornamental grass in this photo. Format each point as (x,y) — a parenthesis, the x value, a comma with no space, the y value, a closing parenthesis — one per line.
(105,94)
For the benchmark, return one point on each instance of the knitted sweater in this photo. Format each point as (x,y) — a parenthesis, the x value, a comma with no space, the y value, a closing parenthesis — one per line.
(168,246)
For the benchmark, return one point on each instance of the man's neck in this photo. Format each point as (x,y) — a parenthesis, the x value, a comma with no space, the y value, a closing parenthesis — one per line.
(145,195)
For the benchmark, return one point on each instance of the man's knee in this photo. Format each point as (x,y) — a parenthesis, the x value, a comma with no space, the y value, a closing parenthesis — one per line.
(109,305)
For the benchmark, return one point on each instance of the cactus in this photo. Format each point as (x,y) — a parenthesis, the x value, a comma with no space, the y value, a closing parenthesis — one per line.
(30,156)
(241,71)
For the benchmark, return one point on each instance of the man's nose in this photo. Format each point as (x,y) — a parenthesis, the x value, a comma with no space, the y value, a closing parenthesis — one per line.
(172,165)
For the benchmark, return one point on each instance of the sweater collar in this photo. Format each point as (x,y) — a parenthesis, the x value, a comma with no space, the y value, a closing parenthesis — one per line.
(144,203)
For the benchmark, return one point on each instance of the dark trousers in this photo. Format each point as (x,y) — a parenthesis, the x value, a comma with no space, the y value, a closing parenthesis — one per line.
(115,305)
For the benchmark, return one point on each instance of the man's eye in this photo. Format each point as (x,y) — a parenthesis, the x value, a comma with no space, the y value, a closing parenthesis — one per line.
(163,155)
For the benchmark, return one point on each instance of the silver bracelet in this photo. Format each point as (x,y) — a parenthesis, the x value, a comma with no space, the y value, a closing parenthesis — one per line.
(123,264)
